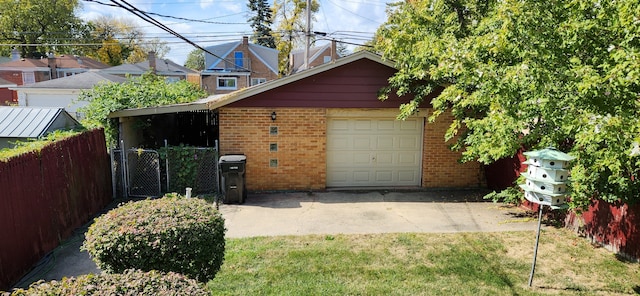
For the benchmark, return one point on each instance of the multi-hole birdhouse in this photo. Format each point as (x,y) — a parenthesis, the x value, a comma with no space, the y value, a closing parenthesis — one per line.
(547,177)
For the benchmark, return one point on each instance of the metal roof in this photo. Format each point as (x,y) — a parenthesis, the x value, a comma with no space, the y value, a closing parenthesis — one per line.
(26,122)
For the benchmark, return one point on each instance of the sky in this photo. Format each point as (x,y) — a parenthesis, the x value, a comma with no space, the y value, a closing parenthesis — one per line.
(352,21)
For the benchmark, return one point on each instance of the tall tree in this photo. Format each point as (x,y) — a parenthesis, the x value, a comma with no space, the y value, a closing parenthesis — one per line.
(261,22)
(528,73)
(290,27)
(123,41)
(195,60)
(36,24)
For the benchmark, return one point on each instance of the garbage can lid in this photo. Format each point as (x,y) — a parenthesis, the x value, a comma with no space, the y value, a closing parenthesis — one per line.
(226,158)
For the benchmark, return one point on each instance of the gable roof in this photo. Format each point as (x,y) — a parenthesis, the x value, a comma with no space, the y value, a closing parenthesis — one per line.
(62,62)
(268,56)
(314,53)
(221,100)
(217,102)
(38,64)
(71,61)
(28,122)
(84,80)
(164,67)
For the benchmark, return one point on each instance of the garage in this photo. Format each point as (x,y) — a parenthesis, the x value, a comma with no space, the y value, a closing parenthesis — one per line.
(370,152)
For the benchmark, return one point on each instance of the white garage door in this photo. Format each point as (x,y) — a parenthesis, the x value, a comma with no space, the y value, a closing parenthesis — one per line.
(374,152)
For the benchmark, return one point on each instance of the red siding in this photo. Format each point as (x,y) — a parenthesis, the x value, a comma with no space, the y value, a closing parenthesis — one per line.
(45,196)
(354,85)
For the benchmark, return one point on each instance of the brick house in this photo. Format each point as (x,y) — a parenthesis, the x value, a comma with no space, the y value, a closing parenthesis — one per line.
(325,128)
(318,55)
(28,71)
(236,65)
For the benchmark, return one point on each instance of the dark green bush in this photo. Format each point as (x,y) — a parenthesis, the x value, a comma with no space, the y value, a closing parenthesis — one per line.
(184,235)
(131,282)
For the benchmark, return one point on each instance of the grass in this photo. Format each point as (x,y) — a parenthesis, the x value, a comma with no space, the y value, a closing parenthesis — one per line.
(422,264)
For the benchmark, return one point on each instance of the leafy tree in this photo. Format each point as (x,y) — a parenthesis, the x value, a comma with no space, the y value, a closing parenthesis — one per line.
(39,23)
(290,21)
(123,41)
(138,92)
(195,60)
(528,74)
(261,23)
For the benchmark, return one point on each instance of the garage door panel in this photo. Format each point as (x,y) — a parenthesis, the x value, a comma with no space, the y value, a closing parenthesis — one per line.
(360,158)
(408,159)
(384,142)
(362,176)
(384,158)
(407,176)
(386,125)
(384,176)
(364,125)
(361,143)
(374,152)
(339,125)
(408,142)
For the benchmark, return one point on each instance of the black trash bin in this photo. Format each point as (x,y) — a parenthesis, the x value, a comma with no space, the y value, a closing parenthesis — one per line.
(233,181)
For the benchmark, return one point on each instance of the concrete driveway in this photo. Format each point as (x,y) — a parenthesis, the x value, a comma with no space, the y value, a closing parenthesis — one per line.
(333,212)
(349,212)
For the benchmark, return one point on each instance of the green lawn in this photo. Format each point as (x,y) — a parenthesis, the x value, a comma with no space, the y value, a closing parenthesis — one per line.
(422,264)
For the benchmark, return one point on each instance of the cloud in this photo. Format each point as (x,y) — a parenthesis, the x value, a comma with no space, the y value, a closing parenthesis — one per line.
(206,3)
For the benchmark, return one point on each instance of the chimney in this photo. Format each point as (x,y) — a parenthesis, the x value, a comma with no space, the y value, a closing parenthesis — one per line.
(15,54)
(53,68)
(152,61)
(245,40)
(334,50)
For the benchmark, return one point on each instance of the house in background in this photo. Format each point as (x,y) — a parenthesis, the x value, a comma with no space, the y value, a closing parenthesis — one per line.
(317,56)
(7,97)
(28,71)
(326,128)
(62,92)
(23,124)
(162,67)
(236,65)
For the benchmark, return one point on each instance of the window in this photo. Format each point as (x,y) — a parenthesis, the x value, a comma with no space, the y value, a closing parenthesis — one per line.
(256,81)
(239,59)
(326,59)
(227,83)
(28,78)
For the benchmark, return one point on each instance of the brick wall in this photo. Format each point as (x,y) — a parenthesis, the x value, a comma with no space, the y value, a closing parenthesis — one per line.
(440,166)
(301,154)
(300,146)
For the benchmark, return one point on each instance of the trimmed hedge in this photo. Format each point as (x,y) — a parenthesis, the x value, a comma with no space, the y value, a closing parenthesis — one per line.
(168,234)
(131,282)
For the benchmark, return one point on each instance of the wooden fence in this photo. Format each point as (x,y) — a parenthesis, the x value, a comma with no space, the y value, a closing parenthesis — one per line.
(45,196)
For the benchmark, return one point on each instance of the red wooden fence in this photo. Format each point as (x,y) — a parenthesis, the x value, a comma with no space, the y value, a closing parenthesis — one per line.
(615,226)
(45,196)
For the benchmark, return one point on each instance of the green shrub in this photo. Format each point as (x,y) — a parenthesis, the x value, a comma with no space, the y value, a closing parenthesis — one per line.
(168,234)
(131,282)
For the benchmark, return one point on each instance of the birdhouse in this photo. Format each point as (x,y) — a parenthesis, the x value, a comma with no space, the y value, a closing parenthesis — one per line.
(547,177)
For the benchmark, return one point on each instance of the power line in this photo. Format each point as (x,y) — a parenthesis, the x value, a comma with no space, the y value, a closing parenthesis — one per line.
(169,16)
(152,21)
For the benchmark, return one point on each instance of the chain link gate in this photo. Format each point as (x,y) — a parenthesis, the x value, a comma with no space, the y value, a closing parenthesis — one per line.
(143,173)
(140,173)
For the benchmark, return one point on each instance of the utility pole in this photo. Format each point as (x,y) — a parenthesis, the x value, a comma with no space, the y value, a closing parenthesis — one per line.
(307,36)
